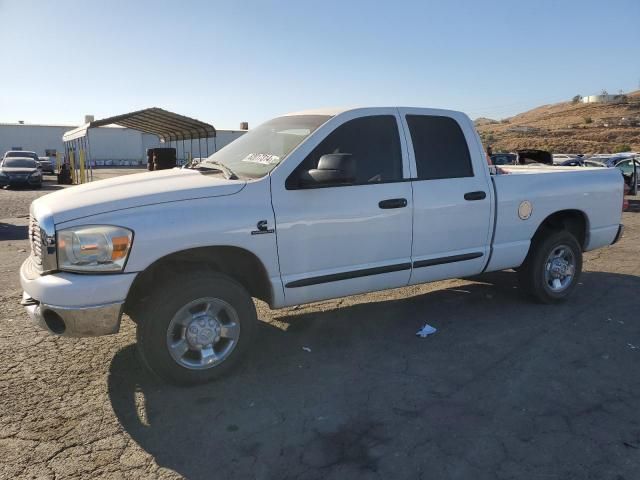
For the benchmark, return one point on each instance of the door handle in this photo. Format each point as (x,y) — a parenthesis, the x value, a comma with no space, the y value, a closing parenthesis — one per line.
(475,195)
(393,203)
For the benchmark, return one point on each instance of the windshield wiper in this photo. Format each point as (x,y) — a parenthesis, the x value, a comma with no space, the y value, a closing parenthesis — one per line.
(228,173)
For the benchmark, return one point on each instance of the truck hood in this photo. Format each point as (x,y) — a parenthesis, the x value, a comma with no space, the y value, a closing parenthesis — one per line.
(135,190)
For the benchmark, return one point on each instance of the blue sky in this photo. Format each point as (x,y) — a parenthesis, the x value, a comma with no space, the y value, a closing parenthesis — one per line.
(226,62)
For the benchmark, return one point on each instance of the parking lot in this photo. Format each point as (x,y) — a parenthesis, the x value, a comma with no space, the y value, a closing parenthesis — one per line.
(505,389)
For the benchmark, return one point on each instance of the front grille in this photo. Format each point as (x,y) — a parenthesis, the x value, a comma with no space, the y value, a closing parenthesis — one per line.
(35,240)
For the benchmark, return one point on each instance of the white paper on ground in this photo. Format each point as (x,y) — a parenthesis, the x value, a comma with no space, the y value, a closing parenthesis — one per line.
(426,330)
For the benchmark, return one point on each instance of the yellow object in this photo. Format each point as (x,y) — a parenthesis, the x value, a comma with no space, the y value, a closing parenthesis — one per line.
(72,166)
(83,177)
(120,247)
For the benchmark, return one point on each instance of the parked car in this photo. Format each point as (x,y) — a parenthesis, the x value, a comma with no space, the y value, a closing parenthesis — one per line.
(581,162)
(504,159)
(611,160)
(306,207)
(21,154)
(16,171)
(626,167)
(561,158)
(46,164)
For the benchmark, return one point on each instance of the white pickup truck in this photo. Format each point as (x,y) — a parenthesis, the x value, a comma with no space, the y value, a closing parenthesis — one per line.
(308,206)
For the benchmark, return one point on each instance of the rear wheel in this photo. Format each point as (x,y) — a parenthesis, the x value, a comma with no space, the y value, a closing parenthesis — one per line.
(195,327)
(552,268)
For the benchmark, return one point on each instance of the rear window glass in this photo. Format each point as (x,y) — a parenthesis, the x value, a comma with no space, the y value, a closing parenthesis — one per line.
(440,147)
(21,154)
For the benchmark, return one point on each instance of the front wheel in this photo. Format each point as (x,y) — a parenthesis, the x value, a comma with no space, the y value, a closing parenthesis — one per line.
(552,268)
(195,327)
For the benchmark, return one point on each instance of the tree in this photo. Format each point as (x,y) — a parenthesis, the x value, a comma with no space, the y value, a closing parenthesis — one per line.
(588,120)
(576,99)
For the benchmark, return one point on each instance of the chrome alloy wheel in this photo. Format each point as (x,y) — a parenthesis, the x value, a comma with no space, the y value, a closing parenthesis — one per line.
(203,333)
(560,268)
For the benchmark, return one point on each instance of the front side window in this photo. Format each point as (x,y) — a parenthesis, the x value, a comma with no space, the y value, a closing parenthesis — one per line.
(440,148)
(261,149)
(373,143)
(627,167)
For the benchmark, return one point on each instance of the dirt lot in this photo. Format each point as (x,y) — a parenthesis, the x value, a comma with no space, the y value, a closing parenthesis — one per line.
(505,388)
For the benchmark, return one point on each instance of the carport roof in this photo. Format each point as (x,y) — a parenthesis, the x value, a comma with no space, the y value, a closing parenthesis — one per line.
(167,125)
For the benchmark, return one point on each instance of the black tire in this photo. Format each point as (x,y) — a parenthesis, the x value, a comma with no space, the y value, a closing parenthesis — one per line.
(531,274)
(166,301)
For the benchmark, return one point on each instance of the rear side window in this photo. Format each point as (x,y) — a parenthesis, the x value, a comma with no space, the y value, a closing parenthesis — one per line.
(440,148)
(374,143)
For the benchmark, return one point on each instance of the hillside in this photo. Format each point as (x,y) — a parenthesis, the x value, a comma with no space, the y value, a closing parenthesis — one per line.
(568,128)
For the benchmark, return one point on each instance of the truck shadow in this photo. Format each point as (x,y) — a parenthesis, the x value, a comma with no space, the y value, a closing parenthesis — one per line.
(368,389)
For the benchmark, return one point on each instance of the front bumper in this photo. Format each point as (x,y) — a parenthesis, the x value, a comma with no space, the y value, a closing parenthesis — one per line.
(75,305)
(21,181)
(90,321)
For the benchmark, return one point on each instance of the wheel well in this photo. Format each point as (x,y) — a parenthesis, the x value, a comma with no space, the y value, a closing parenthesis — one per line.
(573,221)
(240,264)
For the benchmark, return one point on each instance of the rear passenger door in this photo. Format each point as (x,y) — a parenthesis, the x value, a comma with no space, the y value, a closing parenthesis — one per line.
(451,196)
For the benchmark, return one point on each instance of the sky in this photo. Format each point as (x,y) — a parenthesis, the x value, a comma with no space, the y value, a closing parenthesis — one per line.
(239,60)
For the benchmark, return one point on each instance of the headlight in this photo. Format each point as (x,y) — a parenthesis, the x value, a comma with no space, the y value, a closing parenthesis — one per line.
(37,173)
(94,248)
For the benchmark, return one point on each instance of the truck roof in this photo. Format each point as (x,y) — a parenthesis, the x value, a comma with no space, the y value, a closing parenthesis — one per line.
(332,111)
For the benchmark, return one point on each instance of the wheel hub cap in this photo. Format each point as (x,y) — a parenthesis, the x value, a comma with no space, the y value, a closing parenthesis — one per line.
(560,268)
(202,332)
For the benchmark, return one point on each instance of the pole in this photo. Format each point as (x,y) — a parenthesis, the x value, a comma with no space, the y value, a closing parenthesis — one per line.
(89,157)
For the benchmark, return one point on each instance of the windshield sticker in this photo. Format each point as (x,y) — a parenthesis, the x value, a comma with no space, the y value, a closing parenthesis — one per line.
(261,158)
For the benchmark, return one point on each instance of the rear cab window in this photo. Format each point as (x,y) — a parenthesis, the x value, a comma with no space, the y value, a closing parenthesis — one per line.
(440,147)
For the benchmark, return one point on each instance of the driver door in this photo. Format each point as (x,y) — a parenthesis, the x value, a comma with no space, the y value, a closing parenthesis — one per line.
(339,240)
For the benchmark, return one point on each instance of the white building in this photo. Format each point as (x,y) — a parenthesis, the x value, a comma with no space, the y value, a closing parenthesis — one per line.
(604,98)
(42,139)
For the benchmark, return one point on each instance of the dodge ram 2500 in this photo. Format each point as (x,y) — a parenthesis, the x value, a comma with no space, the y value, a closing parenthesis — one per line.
(308,206)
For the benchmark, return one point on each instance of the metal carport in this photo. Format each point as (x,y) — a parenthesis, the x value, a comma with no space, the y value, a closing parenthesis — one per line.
(168,126)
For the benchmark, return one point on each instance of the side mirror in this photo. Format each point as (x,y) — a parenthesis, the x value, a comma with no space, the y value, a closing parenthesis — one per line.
(333,169)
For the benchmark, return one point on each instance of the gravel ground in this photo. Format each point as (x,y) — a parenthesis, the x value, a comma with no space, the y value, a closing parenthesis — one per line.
(505,388)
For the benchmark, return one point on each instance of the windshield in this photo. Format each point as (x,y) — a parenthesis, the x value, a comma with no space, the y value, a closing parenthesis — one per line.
(261,149)
(19,163)
(21,154)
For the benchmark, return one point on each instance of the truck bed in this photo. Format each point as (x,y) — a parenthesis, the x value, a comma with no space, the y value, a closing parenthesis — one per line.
(596,193)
